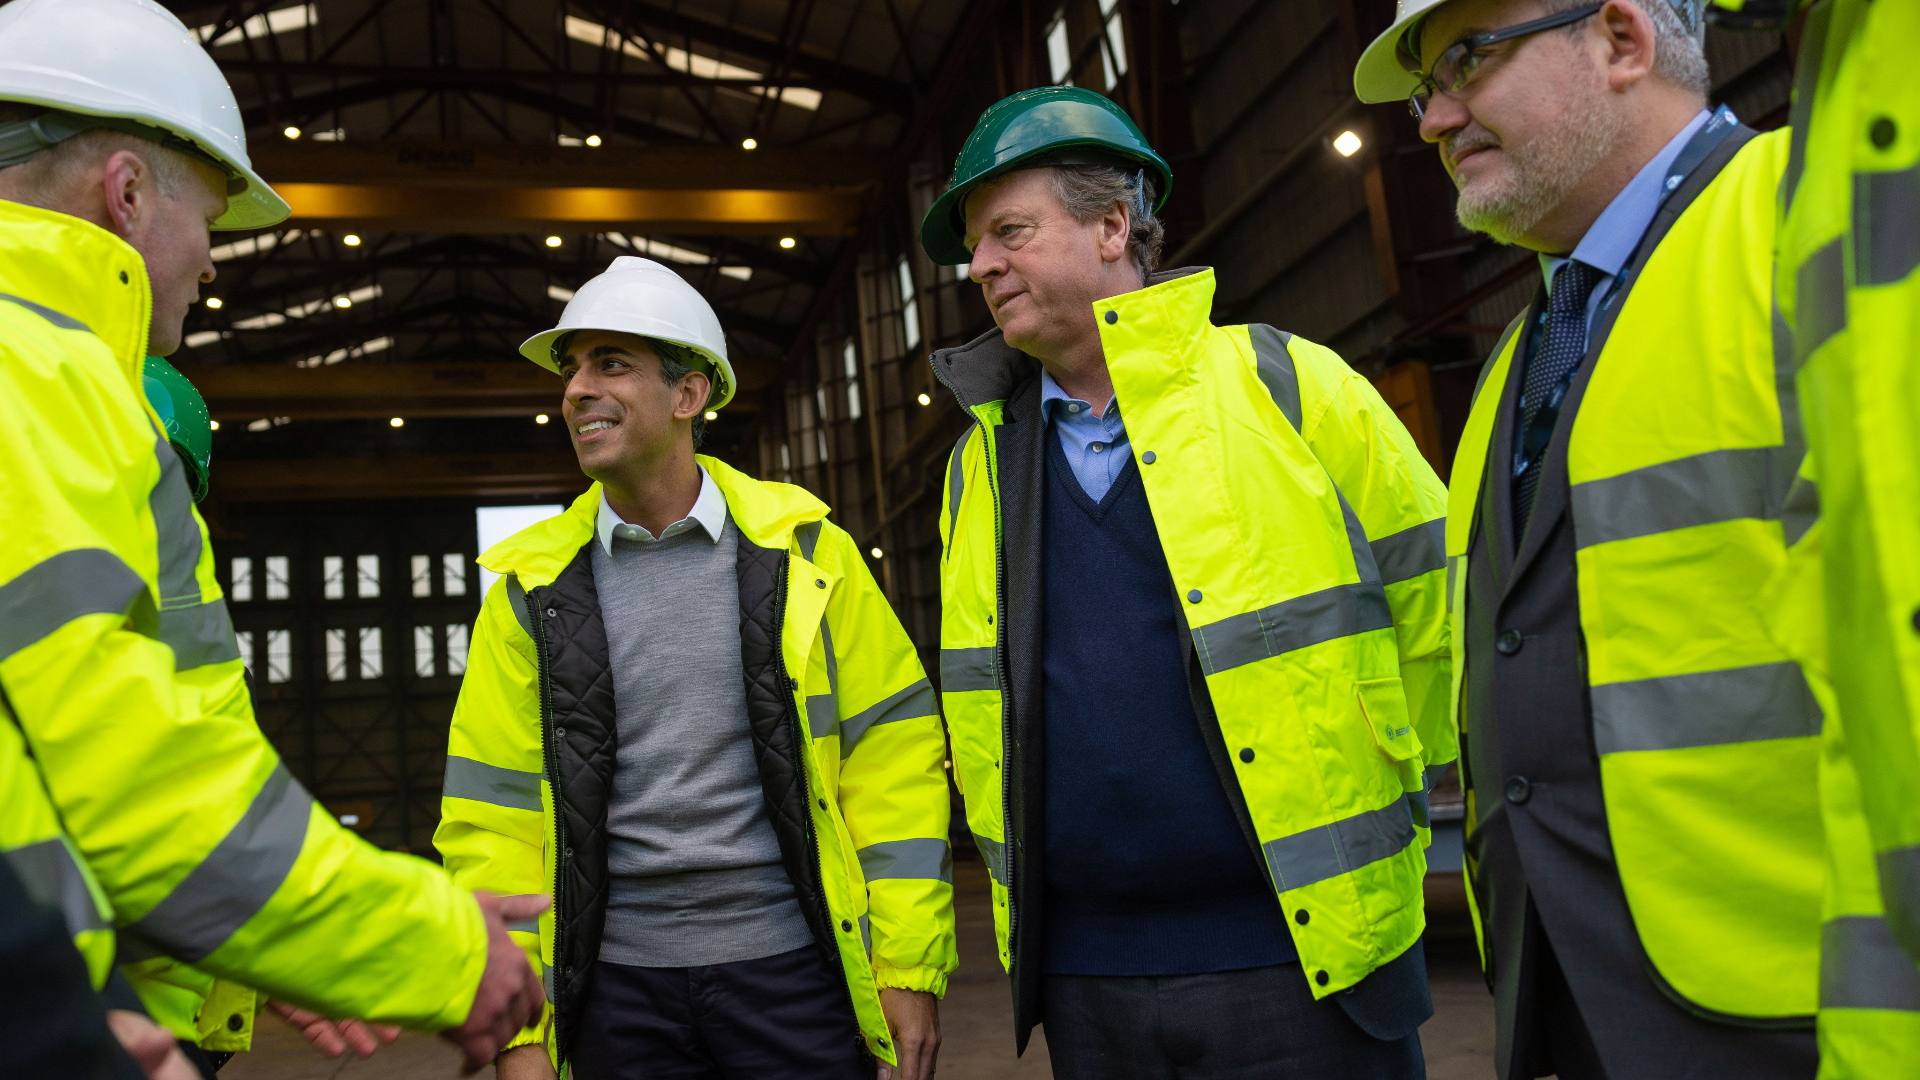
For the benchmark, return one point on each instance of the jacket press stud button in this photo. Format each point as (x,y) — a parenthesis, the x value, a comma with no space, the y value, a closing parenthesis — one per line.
(1320,977)
(793,684)
(1302,917)
(1112,317)
(123,277)
(846,927)
(1146,458)
(1518,790)
(1916,620)
(552,614)
(1193,596)
(823,804)
(1246,754)
(822,582)
(1883,132)
(1508,642)
(235,1022)
(882,1042)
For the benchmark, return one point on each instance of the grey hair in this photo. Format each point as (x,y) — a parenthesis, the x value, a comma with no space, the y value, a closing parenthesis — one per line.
(1089,191)
(1679,54)
(677,362)
(54,169)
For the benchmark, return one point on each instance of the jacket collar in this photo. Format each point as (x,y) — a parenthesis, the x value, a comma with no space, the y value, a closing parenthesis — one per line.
(987,369)
(766,513)
(82,271)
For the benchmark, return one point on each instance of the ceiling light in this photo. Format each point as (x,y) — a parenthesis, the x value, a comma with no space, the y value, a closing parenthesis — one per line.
(290,131)
(213,425)
(593,140)
(553,241)
(351,239)
(396,422)
(1346,143)
(876,552)
(711,415)
(541,419)
(749,144)
(925,400)
(343,301)
(213,302)
(787,241)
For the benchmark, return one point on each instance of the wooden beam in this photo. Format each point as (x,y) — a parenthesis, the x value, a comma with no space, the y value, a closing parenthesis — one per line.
(426,477)
(744,212)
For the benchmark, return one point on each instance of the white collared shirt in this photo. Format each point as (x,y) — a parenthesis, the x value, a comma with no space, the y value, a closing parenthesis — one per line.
(709,513)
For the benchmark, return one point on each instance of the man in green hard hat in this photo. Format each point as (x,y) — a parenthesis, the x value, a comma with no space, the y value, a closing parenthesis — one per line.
(1193,648)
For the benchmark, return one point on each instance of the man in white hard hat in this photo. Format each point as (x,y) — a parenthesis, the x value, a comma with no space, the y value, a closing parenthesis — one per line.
(690,714)
(141,798)
(1645,852)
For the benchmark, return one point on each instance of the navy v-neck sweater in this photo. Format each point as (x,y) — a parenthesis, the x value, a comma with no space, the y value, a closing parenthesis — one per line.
(1147,869)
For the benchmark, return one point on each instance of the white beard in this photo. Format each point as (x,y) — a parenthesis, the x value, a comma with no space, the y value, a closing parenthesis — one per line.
(1542,172)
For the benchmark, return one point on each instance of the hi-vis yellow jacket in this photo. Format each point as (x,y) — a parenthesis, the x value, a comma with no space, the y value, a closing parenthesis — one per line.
(1849,297)
(170,817)
(844,727)
(1683,450)
(1303,532)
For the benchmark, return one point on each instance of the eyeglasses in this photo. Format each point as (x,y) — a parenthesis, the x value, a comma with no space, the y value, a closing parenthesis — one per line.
(1457,65)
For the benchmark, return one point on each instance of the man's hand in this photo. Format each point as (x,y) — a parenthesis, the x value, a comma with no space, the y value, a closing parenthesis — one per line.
(914,1018)
(524,1063)
(335,1037)
(150,1046)
(509,997)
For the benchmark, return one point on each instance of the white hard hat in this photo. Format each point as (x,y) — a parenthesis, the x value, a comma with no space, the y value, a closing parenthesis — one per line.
(639,296)
(127,60)
(1384,71)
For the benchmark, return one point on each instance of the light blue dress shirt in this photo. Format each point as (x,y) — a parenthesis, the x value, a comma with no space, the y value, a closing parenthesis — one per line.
(1095,445)
(1610,240)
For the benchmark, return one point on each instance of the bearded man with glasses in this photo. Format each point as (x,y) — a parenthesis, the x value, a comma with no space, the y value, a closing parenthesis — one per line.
(1644,847)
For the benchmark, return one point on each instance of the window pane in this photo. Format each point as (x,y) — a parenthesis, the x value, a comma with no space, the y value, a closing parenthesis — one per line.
(244,639)
(336,655)
(909,306)
(1057,55)
(851,358)
(333,582)
(1106,68)
(453,575)
(368,576)
(457,649)
(422,568)
(1116,41)
(242,590)
(279,656)
(423,651)
(277,577)
(370,659)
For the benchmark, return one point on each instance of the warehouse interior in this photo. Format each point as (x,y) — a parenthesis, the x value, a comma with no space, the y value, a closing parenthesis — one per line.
(457,167)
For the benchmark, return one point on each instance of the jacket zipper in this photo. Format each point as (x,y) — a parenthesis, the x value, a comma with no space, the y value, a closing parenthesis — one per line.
(549,750)
(801,743)
(1000,637)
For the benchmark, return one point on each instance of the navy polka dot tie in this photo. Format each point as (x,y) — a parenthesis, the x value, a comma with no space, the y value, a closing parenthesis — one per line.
(1546,380)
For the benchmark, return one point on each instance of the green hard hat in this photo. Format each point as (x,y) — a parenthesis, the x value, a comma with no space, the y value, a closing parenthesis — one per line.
(1053,125)
(184,413)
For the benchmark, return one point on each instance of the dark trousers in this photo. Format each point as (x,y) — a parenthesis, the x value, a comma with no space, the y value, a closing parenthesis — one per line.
(779,1016)
(1258,1024)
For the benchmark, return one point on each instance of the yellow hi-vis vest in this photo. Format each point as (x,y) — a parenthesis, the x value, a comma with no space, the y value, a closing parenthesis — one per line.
(1300,527)
(121,673)
(1707,736)
(1848,249)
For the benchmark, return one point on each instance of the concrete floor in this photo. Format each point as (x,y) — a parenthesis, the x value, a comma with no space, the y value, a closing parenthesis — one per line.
(976,1018)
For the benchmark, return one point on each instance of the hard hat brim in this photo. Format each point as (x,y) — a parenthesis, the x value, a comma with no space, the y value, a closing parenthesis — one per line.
(942,230)
(539,349)
(1380,75)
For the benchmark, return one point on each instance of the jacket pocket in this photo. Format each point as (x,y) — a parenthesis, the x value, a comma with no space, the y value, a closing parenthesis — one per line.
(1383,705)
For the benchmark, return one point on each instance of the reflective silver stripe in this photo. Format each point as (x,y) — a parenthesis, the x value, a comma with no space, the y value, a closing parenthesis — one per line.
(1709,708)
(1412,552)
(996,855)
(53,879)
(1900,892)
(171,503)
(1886,226)
(1863,967)
(481,782)
(237,877)
(823,719)
(967,669)
(1456,574)
(1420,809)
(525,926)
(1274,364)
(1341,611)
(201,634)
(912,703)
(61,588)
(1363,561)
(925,858)
(1719,485)
(808,534)
(866,934)
(1315,855)
(1801,509)
(956,485)
(1820,300)
(64,322)
(1806,86)
(546,980)
(517,600)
